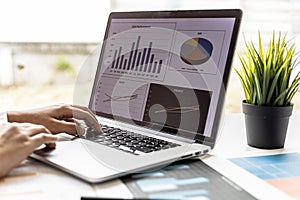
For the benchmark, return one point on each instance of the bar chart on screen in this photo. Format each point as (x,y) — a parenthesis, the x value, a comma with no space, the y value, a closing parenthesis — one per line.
(138,52)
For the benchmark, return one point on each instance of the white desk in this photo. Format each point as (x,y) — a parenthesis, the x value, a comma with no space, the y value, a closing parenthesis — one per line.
(33,180)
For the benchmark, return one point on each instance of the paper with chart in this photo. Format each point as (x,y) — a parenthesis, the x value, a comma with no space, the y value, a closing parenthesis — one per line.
(280,170)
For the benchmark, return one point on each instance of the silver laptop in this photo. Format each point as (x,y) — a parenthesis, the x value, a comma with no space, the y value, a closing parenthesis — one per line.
(158,93)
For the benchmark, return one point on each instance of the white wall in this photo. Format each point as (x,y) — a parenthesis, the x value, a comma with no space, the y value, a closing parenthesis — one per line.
(53,20)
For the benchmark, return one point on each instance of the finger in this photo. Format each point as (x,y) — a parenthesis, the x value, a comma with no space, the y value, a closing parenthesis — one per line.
(9,130)
(43,138)
(36,129)
(67,111)
(51,145)
(81,113)
(78,125)
(85,109)
(72,120)
(27,125)
(69,127)
(88,117)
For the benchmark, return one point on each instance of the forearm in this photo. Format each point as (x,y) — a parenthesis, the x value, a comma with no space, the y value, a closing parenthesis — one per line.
(18,116)
(8,162)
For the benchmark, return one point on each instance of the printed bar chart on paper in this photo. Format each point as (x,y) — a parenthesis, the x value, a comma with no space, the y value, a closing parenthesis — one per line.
(139,51)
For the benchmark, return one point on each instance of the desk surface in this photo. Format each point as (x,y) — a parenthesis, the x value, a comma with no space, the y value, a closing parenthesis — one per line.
(34,180)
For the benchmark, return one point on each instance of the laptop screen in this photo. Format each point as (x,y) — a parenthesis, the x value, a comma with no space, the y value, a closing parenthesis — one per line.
(166,70)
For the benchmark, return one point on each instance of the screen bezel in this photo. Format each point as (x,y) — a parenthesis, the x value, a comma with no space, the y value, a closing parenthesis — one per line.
(227,13)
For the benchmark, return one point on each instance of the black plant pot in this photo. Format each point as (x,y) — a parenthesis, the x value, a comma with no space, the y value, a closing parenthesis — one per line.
(266,126)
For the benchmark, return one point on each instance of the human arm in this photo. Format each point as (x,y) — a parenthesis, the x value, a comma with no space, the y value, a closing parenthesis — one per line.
(18,140)
(57,118)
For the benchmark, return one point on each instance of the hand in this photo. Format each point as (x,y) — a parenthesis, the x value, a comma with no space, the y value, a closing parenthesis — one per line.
(18,140)
(58,118)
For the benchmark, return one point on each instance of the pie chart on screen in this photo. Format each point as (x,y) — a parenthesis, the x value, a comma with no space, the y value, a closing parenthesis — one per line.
(196,51)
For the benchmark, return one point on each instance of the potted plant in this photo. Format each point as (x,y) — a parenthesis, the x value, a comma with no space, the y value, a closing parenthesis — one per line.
(269,82)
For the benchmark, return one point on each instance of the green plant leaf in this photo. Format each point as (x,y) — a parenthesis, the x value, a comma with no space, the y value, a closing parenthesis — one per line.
(265,73)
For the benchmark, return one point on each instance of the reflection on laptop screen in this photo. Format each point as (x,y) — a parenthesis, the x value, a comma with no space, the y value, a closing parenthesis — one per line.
(165,72)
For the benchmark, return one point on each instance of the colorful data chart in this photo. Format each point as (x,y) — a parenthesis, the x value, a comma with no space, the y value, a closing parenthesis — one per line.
(196,51)
(191,179)
(280,170)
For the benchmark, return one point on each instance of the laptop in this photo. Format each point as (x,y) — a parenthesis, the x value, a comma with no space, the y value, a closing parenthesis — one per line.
(158,93)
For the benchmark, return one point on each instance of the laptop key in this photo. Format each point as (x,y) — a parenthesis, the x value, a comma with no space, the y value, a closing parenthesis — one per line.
(136,145)
(115,145)
(98,139)
(112,131)
(118,133)
(106,142)
(166,147)
(134,141)
(150,146)
(157,148)
(128,141)
(129,144)
(142,143)
(122,142)
(143,149)
(106,134)
(113,136)
(126,148)
(120,137)
(114,140)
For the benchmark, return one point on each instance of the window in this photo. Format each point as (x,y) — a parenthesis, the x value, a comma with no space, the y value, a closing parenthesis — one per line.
(39,37)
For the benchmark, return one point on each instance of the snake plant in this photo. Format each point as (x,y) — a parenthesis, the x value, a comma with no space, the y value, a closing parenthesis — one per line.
(266,74)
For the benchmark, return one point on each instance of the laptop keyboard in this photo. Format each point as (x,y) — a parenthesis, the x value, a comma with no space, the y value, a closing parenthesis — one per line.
(127,141)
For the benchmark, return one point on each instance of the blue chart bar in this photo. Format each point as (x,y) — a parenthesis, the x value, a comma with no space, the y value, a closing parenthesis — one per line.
(139,60)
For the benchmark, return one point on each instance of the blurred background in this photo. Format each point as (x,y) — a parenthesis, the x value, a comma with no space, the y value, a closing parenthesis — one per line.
(43,44)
